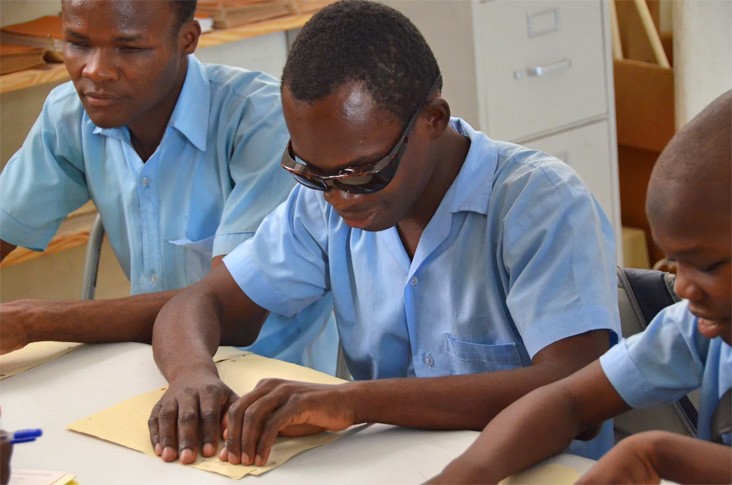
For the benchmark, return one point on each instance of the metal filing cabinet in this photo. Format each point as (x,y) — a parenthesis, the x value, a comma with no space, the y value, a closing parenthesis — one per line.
(534,72)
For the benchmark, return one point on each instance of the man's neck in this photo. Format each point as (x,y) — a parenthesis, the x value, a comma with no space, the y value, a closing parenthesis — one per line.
(450,155)
(147,131)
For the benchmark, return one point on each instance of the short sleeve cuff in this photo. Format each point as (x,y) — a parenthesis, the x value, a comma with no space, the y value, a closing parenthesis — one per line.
(258,285)
(17,234)
(569,324)
(621,371)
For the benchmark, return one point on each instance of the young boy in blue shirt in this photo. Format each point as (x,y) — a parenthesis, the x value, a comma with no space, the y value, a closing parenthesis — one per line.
(687,346)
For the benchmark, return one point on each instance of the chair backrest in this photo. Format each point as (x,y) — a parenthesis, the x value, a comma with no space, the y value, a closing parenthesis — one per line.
(91,262)
(642,293)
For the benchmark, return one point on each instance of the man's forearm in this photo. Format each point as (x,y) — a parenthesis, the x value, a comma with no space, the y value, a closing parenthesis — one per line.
(186,336)
(201,317)
(470,401)
(94,321)
(519,437)
(453,402)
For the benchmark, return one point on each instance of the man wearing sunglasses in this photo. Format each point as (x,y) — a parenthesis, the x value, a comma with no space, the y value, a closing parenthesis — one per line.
(465,272)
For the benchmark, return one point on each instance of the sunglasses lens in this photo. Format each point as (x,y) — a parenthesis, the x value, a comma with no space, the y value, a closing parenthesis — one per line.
(369,187)
(311,184)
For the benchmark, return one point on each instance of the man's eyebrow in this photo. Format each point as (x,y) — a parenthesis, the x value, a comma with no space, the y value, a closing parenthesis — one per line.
(121,38)
(129,38)
(74,34)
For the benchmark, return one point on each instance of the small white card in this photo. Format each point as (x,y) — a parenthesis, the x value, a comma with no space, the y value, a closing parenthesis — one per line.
(20,476)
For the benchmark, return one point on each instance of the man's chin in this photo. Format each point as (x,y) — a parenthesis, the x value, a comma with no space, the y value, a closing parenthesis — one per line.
(104,118)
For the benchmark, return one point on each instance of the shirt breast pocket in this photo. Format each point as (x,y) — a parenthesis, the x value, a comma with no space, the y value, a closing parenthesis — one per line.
(471,357)
(193,258)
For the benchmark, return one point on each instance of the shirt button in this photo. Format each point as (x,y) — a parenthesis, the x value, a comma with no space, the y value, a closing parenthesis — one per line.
(413,281)
(145,181)
(428,360)
(153,278)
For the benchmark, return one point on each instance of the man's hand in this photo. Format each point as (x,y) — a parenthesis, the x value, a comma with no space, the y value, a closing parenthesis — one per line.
(286,408)
(188,416)
(14,317)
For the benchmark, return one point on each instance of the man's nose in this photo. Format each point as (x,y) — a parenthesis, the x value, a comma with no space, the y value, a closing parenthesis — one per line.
(100,66)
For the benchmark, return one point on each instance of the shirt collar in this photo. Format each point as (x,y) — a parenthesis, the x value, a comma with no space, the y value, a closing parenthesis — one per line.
(190,115)
(471,189)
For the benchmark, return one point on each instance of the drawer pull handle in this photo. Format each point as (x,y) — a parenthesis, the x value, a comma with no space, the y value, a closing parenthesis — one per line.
(539,71)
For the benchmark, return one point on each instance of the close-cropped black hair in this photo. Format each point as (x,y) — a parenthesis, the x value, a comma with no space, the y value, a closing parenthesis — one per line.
(184,11)
(367,42)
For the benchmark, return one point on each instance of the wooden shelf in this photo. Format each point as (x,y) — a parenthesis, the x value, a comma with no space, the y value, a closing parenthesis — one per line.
(57,72)
(264,27)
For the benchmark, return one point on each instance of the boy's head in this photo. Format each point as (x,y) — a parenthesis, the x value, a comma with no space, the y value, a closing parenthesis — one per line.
(689,208)
(360,94)
(128,58)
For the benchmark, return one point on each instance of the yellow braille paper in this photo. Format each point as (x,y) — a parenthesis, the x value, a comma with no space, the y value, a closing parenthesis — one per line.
(126,422)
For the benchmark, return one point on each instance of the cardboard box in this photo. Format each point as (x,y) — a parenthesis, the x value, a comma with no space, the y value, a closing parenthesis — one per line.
(635,248)
(644,104)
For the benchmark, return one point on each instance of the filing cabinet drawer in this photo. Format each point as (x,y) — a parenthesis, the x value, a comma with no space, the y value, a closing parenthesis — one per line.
(539,65)
(587,150)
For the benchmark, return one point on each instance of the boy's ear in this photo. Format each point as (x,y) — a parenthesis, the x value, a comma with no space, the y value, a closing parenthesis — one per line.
(189,35)
(438,115)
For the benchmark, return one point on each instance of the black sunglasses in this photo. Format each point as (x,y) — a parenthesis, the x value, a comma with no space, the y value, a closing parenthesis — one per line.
(361,179)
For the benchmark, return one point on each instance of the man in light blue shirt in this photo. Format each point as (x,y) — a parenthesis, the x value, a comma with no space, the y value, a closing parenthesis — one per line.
(464,272)
(178,181)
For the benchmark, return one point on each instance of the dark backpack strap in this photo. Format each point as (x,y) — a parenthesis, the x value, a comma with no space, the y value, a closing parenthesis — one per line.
(722,417)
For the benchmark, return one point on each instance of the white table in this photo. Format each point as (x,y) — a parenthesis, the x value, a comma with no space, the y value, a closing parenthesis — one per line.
(94,377)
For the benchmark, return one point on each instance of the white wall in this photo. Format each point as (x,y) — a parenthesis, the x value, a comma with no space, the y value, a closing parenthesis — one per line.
(17,11)
(702,54)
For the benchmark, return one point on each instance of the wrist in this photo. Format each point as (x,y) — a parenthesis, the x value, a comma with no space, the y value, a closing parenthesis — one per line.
(356,396)
(660,449)
(651,446)
(41,320)
(198,369)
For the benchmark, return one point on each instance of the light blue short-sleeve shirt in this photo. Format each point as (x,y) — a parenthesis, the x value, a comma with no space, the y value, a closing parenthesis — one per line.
(667,361)
(517,256)
(211,181)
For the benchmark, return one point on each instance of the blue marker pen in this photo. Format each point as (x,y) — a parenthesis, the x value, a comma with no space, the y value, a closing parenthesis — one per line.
(24,435)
